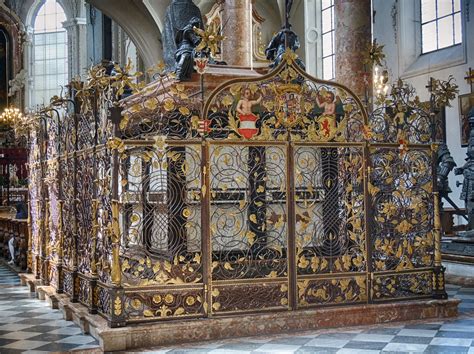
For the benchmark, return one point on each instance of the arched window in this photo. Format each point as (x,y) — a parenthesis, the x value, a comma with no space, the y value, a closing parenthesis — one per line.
(50,52)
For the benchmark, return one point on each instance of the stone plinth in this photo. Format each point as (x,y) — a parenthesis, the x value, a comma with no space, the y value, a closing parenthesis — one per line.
(176,332)
(246,325)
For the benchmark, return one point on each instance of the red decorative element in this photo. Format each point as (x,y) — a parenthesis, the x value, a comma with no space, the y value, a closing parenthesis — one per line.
(201,65)
(326,127)
(403,147)
(367,131)
(204,126)
(247,125)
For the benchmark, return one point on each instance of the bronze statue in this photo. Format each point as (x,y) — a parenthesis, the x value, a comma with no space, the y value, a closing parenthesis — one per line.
(467,171)
(285,38)
(186,41)
(445,165)
(178,16)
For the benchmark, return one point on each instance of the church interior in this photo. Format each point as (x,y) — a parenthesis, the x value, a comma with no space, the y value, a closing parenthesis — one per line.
(236,176)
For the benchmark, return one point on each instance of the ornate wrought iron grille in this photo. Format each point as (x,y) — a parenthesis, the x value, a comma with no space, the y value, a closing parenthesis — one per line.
(277,193)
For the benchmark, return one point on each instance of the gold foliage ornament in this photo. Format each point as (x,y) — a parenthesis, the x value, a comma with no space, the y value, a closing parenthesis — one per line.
(210,38)
(373,54)
(443,91)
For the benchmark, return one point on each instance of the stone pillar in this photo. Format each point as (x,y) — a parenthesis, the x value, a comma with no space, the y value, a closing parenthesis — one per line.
(237,19)
(77,44)
(353,35)
(28,61)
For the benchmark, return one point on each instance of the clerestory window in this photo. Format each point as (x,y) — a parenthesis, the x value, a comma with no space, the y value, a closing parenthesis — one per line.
(440,24)
(50,68)
(327,30)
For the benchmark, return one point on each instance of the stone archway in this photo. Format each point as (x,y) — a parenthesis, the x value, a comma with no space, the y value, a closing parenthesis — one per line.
(135,19)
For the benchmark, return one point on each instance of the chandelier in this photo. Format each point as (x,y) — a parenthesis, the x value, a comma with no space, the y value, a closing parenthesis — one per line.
(380,81)
(10,116)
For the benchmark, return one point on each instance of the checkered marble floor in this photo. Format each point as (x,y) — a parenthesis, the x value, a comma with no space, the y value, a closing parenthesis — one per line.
(28,325)
(450,336)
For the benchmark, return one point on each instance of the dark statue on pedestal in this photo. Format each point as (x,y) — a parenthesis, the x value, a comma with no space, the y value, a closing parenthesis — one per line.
(186,41)
(181,15)
(285,38)
(445,165)
(467,171)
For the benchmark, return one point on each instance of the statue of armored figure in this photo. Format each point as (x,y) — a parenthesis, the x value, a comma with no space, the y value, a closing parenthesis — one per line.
(179,15)
(467,171)
(186,41)
(445,165)
(285,38)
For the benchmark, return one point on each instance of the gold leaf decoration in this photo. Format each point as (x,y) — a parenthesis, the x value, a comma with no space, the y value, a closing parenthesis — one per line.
(148,313)
(179,311)
(169,105)
(184,111)
(118,306)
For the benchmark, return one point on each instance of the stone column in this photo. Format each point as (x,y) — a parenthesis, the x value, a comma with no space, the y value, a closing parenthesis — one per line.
(237,19)
(353,34)
(28,60)
(77,44)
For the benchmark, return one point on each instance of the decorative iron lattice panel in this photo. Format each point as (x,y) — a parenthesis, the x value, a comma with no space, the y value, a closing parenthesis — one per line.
(84,215)
(68,283)
(248,222)
(85,292)
(104,213)
(329,210)
(332,291)
(53,220)
(160,194)
(285,105)
(35,187)
(248,211)
(400,119)
(402,286)
(167,109)
(68,133)
(69,215)
(245,297)
(85,131)
(163,303)
(53,276)
(103,301)
(400,186)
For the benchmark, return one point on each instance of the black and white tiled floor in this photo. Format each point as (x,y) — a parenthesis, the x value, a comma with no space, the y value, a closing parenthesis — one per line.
(30,325)
(450,336)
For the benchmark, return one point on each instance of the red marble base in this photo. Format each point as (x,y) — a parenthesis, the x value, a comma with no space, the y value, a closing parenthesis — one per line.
(215,328)
(166,333)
